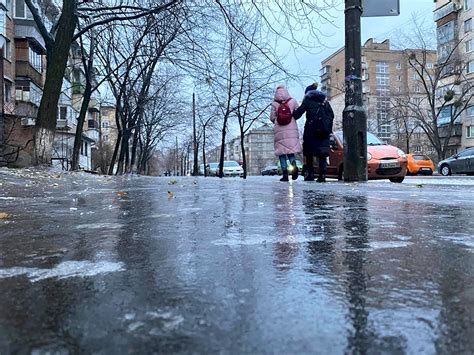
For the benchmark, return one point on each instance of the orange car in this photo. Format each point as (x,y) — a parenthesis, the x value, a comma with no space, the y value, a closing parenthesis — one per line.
(383,161)
(419,164)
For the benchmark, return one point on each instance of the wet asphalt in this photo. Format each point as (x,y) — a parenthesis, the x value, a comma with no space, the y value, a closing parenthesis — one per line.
(126,265)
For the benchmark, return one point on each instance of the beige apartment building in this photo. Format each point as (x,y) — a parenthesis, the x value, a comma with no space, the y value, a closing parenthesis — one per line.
(455,35)
(386,76)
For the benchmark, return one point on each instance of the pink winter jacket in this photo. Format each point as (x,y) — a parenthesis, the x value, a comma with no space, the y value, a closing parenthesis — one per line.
(286,138)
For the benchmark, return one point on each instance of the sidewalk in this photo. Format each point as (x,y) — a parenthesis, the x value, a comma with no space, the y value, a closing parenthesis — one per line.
(196,265)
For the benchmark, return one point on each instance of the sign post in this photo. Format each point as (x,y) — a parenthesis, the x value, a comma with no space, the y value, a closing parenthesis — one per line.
(354,122)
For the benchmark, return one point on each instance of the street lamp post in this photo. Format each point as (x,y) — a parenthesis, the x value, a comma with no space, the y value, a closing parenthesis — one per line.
(354,122)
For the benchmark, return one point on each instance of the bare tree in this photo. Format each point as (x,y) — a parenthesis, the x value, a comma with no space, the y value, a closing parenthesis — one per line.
(58,40)
(444,90)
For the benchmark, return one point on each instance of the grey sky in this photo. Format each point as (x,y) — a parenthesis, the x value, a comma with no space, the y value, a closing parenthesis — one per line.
(379,28)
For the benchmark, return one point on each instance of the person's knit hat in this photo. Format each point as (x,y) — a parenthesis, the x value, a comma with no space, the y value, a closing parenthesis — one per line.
(313,86)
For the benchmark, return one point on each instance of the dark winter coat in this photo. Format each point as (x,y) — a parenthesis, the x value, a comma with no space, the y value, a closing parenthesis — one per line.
(314,144)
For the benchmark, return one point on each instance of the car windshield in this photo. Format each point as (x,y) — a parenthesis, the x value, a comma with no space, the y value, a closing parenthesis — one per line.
(371,139)
(420,157)
(231,164)
(213,165)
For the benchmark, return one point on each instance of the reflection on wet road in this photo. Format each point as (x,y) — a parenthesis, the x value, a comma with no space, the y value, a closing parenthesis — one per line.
(235,266)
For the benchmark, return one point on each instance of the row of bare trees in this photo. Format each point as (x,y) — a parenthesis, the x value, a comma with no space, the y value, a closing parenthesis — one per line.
(152,55)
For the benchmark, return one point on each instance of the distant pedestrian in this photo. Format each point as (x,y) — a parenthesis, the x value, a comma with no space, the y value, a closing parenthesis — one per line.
(286,134)
(317,130)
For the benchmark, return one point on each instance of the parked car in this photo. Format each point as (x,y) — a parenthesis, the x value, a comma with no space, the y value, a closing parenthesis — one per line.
(201,169)
(231,168)
(299,164)
(419,164)
(383,161)
(270,170)
(460,163)
(212,169)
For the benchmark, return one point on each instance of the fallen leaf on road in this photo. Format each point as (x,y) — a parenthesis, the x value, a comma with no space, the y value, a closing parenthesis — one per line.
(172,182)
(170,195)
(121,193)
(419,185)
(4,215)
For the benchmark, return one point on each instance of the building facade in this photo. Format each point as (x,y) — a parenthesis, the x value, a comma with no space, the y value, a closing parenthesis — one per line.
(23,73)
(455,39)
(259,150)
(386,76)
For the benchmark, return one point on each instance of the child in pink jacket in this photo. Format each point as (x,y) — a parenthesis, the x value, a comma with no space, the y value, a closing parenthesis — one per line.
(286,137)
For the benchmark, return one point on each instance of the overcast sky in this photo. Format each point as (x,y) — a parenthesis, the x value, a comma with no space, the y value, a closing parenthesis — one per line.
(379,28)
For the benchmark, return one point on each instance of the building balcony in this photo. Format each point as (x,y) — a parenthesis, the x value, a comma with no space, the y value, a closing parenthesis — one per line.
(92,134)
(65,124)
(25,28)
(448,9)
(24,69)
(94,105)
(456,131)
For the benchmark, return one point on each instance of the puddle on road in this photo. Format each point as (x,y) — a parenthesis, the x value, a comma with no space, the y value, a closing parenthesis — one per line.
(64,270)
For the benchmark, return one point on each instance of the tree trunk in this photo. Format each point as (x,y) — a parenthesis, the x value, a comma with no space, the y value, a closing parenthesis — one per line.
(80,126)
(244,157)
(118,143)
(221,158)
(136,135)
(204,151)
(57,56)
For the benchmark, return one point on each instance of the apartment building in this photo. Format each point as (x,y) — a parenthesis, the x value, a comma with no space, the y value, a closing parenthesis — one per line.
(23,69)
(259,149)
(386,75)
(455,36)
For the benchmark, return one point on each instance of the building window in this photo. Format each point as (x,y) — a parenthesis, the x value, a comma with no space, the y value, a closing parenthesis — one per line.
(470,67)
(467,4)
(62,113)
(8,92)
(417,148)
(470,131)
(468,46)
(381,68)
(35,60)
(105,124)
(445,33)
(21,10)
(416,76)
(3,22)
(29,93)
(8,50)
(470,111)
(399,66)
(468,25)
(417,88)
(429,65)
(106,137)
(399,78)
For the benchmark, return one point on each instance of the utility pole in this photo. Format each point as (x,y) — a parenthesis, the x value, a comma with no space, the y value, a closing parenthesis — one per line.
(195,156)
(354,122)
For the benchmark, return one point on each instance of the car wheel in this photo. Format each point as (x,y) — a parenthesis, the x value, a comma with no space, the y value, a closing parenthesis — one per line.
(445,170)
(397,179)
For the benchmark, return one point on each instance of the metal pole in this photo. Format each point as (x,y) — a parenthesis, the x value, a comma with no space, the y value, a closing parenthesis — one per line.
(354,122)
(195,157)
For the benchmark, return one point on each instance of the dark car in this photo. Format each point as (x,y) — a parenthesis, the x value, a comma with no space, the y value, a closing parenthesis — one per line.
(270,170)
(460,163)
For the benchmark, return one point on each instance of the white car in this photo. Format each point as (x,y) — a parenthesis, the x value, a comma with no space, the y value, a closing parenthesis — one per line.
(232,168)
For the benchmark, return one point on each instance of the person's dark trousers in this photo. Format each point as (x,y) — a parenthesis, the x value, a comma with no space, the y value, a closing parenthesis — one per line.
(309,176)
(322,169)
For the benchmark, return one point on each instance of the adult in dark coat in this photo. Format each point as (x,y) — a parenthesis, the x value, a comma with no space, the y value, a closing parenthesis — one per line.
(315,142)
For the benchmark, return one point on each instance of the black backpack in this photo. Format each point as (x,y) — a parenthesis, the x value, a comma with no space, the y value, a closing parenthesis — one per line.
(324,120)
